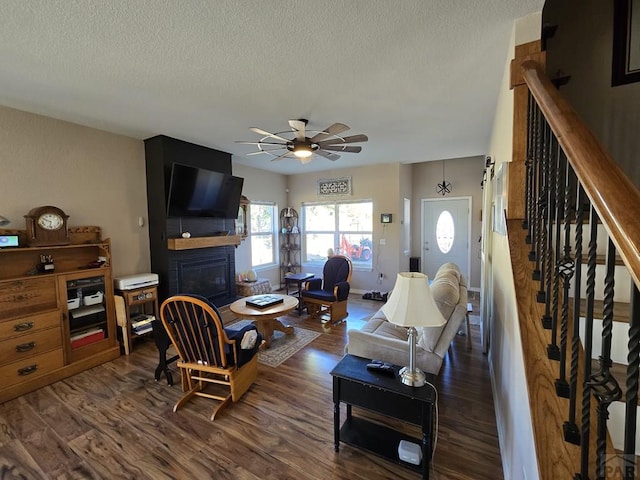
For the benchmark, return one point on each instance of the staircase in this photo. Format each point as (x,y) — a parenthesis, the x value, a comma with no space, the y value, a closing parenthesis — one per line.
(576,263)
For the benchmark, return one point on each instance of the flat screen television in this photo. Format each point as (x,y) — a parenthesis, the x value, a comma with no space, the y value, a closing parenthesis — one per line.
(197,192)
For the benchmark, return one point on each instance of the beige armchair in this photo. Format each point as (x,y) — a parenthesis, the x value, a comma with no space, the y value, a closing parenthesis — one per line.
(379,339)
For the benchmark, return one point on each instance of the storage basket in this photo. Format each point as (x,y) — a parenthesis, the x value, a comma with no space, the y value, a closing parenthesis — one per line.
(93,299)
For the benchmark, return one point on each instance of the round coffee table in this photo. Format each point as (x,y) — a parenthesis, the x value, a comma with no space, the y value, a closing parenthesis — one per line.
(266,319)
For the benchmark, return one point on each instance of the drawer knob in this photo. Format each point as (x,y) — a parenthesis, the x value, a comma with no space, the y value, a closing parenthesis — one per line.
(27,370)
(25,347)
(21,327)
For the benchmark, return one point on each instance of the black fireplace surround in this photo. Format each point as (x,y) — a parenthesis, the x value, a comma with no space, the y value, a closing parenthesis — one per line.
(209,272)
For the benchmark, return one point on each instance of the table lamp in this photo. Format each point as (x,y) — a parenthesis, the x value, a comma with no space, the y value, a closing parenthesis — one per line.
(4,221)
(412,305)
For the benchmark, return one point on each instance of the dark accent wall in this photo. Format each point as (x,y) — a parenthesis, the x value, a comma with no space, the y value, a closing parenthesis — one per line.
(160,153)
(578,36)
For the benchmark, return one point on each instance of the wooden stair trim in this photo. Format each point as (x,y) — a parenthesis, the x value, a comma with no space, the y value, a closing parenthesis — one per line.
(555,457)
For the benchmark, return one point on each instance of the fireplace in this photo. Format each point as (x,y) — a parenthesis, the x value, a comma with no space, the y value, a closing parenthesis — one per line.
(209,272)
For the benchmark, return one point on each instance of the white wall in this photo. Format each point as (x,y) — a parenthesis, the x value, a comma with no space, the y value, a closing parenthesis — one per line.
(381,184)
(511,397)
(96,177)
(260,185)
(465,175)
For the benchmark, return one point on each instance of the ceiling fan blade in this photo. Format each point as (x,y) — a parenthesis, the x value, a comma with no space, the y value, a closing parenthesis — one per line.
(299,127)
(286,154)
(342,148)
(329,155)
(264,151)
(261,143)
(335,129)
(338,141)
(259,131)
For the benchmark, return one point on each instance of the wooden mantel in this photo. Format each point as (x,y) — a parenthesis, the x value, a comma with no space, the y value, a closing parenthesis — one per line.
(203,242)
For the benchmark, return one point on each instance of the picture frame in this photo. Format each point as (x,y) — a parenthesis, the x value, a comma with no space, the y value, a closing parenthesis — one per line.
(626,42)
(386,218)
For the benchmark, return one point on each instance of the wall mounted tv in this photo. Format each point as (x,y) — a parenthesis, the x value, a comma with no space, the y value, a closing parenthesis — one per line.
(197,192)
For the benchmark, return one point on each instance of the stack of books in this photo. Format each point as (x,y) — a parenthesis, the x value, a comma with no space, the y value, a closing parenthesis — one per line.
(141,323)
(86,337)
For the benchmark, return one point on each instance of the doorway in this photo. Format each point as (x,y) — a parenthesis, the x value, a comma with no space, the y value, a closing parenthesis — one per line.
(446,230)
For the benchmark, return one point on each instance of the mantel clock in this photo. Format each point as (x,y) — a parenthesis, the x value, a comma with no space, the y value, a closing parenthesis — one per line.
(47,226)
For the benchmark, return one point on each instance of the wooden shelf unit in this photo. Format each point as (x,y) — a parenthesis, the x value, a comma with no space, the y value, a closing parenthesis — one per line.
(37,320)
(143,300)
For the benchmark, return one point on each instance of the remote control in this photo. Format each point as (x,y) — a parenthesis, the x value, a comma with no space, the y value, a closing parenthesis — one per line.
(385,368)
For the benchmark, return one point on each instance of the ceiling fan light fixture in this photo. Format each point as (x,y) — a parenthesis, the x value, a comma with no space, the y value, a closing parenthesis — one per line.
(302,151)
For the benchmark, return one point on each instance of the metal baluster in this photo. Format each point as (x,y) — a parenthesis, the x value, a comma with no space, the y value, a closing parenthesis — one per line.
(631,391)
(603,384)
(541,201)
(570,427)
(526,222)
(553,352)
(588,335)
(535,167)
(547,269)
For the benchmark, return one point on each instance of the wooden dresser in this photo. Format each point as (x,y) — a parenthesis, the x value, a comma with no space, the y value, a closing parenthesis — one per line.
(55,324)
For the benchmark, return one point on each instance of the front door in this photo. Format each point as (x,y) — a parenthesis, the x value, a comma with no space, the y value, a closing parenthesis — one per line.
(446,226)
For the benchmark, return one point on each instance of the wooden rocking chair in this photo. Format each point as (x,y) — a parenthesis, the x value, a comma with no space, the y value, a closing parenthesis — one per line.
(326,298)
(209,353)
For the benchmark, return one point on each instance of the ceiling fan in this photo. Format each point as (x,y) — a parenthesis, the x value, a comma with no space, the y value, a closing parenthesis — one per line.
(322,143)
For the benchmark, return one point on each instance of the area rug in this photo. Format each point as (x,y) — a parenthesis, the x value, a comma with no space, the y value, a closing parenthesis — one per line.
(282,345)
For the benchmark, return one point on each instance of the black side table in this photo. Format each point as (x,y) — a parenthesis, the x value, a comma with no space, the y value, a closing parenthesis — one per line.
(297,279)
(353,384)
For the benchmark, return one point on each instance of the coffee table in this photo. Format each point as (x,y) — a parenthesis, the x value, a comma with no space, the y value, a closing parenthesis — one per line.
(266,319)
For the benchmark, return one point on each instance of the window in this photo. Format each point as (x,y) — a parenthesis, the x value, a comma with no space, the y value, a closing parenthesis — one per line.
(445,231)
(345,227)
(262,233)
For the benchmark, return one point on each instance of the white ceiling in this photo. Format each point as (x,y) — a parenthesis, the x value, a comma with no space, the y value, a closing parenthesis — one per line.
(420,78)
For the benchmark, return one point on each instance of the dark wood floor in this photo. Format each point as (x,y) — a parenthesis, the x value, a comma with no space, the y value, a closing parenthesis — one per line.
(115,421)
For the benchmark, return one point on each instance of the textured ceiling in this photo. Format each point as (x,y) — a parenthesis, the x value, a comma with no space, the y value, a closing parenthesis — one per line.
(420,78)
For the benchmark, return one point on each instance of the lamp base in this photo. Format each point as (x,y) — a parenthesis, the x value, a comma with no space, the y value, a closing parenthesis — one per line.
(415,378)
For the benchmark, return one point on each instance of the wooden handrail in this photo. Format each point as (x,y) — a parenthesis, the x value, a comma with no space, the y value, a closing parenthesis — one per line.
(612,194)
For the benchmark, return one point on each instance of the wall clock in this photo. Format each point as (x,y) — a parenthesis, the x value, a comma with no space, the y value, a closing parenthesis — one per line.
(47,225)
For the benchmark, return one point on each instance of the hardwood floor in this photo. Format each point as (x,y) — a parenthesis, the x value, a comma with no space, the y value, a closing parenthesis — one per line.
(115,421)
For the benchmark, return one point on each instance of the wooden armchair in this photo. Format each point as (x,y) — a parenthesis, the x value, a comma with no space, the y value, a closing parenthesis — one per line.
(326,298)
(209,353)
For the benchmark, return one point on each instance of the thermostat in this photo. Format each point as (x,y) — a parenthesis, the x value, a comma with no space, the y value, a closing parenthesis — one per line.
(385,217)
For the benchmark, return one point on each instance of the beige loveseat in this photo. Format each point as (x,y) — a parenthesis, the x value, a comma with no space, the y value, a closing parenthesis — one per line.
(381,340)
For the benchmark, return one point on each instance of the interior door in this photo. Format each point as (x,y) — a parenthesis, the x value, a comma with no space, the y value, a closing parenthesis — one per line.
(446,227)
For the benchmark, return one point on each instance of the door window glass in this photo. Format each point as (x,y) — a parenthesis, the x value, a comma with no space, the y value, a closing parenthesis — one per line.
(445,231)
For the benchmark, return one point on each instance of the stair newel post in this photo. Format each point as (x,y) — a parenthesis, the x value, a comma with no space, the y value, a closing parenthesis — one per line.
(603,384)
(541,225)
(535,184)
(588,340)
(526,223)
(570,427)
(631,387)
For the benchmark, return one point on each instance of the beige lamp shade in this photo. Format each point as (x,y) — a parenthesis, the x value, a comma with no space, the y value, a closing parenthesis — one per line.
(411,303)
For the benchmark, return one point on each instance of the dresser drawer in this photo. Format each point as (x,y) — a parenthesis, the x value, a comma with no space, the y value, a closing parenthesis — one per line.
(30,344)
(20,297)
(29,368)
(32,323)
